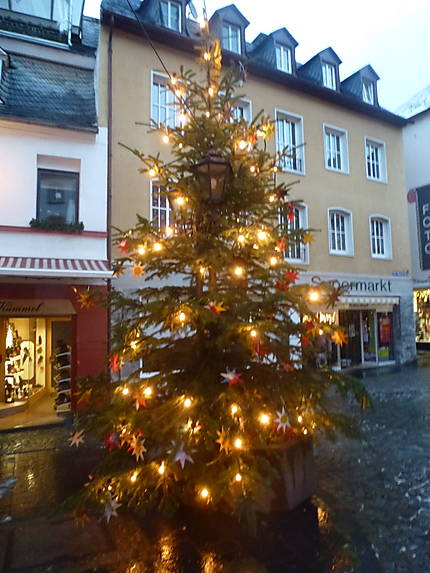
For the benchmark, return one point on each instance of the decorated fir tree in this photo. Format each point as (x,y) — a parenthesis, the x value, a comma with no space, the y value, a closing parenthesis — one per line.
(214,353)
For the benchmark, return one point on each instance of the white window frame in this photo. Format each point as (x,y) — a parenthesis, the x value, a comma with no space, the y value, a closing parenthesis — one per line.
(227,31)
(302,248)
(348,251)
(246,105)
(290,164)
(173,118)
(329,75)
(167,209)
(330,132)
(284,58)
(375,240)
(169,14)
(377,164)
(368,91)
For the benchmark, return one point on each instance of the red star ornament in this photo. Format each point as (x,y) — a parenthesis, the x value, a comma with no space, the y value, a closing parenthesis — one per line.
(124,247)
(291,275)
(115,363)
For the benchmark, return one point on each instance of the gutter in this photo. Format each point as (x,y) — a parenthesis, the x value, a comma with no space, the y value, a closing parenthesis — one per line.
(109,177)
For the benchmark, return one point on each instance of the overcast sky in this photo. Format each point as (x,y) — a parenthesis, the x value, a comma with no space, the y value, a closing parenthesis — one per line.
(392,36)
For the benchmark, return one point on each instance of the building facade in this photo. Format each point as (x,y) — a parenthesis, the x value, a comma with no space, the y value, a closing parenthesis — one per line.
(53,220)
(348,158)
(416,139)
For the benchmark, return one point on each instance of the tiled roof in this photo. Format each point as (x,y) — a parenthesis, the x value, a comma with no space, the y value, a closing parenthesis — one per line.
(50,93)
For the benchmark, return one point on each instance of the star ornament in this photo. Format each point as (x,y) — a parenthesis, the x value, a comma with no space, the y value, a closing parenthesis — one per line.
(231,377)
(216,307)
(124,246)
(111,507)
(182,457)
(77,438)
(137,270)
(137,447)
(85,299)
(282,420)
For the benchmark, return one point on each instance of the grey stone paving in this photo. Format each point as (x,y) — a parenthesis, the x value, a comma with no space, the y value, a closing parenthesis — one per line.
(384,481)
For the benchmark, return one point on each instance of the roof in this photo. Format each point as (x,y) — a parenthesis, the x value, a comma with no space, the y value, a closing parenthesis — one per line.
(417,104)
(90,32)
(49,93)
(124,18)
(47,267)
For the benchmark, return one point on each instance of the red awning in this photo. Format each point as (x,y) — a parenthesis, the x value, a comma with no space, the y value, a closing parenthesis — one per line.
(44,267)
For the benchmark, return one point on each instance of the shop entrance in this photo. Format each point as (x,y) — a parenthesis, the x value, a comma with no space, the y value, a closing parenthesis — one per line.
(370,337)
(36,365)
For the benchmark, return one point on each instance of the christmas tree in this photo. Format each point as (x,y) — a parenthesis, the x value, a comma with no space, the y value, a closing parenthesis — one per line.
(214,353)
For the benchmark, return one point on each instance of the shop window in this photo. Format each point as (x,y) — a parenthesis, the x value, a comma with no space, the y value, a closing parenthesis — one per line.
(57,196)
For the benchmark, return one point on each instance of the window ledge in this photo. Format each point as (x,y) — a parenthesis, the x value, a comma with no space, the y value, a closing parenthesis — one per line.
(56,226)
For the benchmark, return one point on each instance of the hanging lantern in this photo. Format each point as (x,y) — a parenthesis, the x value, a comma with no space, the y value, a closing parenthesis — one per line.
(213,173)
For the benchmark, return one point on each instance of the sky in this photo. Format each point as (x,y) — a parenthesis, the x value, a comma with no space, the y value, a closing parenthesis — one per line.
(392,36)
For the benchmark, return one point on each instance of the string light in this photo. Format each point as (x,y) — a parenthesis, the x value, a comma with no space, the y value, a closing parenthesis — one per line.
(239,271)
(173,80)
(161,469)
(207,114)
(300,419)
(238,477)
(182,317)
(152,172)
(252,168)
(178,93)
(147,392)
(264,419)
(133,477)
(272,198)
(305,432)
(187,403)
(320,331)
(211,92)
(262,235)
(125,391)
(238,443)
(241,239)
(166,138)
(141,249)
(275,169)
(234,409)
(204,493)
(157,247)
(273,261)
(253,333)
(243,144)
(180,201)
(202,271)
(260,133)
(206,56)
(169,231)
(314,296)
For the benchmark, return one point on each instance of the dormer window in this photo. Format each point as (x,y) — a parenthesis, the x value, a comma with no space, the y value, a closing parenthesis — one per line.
(231,38)
(368,92)
(329,75)
(283,59)
(171,15)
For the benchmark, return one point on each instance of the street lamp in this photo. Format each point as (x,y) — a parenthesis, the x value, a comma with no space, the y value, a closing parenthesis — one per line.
(213,172)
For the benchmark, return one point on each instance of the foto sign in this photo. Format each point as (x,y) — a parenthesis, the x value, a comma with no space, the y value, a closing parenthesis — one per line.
(423,220)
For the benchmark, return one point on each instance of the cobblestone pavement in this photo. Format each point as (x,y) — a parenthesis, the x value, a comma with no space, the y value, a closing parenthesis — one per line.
(384,481)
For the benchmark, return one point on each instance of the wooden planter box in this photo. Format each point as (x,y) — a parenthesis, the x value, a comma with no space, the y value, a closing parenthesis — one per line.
(298,481)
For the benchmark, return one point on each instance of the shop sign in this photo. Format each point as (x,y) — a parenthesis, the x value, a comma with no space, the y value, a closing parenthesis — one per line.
(357,286)
(423,220)
(32,307)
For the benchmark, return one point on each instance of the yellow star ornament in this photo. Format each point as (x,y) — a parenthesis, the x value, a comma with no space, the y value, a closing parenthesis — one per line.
(308,238)
(339,337)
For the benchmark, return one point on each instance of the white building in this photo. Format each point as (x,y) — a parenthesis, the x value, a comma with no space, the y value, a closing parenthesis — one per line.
(53,203)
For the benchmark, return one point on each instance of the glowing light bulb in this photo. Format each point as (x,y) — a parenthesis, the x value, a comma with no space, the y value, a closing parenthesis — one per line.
(300,419)
(173,80)
(239,271)
(133,477)
(275,168)
(253,333)
(125,391)
(141,250)
(147,392)
(206,56)
(109,487)
(262,235)
(238,477)
(234,409)
(260,133)
(180,146)
(211,92)
(165,138)
(252,168)
(243,144)
(203,24)
(152,172)
(180,201)
(161,469)
(157,247)
(241,239)
(264,419)
(305,431)
(314,296)
(320,331)
(178,93)
(187,403)
(169,231)
(202,271)
(238,443)
(204,493)
(207,114)
(182,317)
(273,261)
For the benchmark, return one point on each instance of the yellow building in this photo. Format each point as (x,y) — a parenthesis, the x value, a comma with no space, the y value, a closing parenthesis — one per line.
(349,158)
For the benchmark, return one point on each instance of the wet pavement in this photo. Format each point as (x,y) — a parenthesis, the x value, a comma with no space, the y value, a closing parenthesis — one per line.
(374,493)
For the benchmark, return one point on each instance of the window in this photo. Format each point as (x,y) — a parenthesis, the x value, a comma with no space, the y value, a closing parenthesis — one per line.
(161,211)
(336,151)
(164,105)
(231,38)
(242,110)
(283,59)
(375,160)
(380,237)
(329,75)
(57,196)
(368,92)
(171,15)
(340,232)
(296,251)
(289,137)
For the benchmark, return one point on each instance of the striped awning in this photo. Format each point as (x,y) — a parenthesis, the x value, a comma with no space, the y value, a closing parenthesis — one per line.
(46,267)
(368,301)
